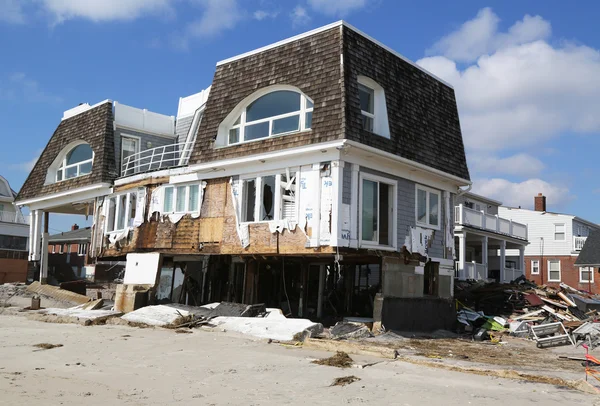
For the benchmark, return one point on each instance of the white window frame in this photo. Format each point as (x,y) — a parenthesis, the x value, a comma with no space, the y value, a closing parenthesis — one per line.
(61,248)
(429,191)
(535,261)
(586,269)
(187,209)
(62,167)
(118,207)
(367,113)
(82,249)
(304,109)
(564,231)
(393,184)
(381,125)
(54,248)
(277,197)
(138,142)
(559,271)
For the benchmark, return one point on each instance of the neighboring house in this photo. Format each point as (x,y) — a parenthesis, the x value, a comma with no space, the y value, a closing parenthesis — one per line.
(555,241)
(311,175)
(14,231)
(486,241)
(588,262)
(67,253)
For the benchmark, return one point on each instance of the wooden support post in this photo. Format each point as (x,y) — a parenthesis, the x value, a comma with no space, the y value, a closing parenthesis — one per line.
(44,264)
(322,274)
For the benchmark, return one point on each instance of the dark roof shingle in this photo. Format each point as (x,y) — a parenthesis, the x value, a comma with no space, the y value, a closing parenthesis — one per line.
(590,253)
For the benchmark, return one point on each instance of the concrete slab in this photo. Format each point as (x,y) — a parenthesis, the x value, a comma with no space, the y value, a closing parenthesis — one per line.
(160,315)
(273,328)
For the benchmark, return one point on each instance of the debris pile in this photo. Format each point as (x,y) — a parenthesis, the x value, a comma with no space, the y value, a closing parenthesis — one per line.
(547,315)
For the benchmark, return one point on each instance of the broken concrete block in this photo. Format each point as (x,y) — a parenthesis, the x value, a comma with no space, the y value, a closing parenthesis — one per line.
(157,316)
(131,297)
(344,331)
(275,329)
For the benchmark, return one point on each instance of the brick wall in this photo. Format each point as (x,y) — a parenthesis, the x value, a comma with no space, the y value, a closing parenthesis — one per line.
(569,273)
(13,270)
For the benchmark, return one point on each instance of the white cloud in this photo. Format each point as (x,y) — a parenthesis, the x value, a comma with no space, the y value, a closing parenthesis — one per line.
(11,11)
(217,16)
(105,10)
(299,16)
(480,36)
(336,8)
(524,94)
(19,87)
(522,194)
(519,164)
(263,15)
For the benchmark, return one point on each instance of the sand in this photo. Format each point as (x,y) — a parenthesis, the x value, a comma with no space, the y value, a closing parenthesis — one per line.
(114,365)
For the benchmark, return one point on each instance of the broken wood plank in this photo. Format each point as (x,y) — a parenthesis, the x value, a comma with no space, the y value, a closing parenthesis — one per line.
(528,315)
(553,303)
(566,299)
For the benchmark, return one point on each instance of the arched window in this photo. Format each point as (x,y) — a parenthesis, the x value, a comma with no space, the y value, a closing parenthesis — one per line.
(276,113)
(76,162)
(373,107)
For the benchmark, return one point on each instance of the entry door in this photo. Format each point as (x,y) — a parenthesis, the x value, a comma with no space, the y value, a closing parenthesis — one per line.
(129,146)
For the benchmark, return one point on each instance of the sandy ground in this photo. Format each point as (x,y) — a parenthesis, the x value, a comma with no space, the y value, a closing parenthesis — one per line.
(113,365)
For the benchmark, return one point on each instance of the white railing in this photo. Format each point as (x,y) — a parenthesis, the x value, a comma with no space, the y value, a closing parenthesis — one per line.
(469,217)
(157,158)
(472,270)
(578,243)
(510,274)
(13,217)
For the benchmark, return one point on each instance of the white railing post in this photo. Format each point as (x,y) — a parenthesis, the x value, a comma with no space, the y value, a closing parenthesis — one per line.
(497,224)
(510,227)
(461,213)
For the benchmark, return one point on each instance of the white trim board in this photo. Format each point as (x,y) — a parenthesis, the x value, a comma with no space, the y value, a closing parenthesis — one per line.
(67,197)
(340,23)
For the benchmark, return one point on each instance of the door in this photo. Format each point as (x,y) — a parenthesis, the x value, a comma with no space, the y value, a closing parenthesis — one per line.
(129,146)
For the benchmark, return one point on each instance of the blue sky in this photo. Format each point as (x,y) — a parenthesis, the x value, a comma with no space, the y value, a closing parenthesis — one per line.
(526,74)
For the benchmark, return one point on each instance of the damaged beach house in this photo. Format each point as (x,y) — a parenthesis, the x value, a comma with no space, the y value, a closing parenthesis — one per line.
(317,175)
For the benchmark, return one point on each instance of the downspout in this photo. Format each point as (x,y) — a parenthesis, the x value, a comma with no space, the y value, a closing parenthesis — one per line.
(463,191)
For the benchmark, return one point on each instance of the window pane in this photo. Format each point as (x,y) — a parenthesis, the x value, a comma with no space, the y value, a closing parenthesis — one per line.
(286,125)
(421,206)
(193,199)
(80,153)
(367,96)
(256,131)
(121,212)
(249,200)
(59,175)
(84,169)
(369,210)
(273,104)
(168,200)
(308,123)
(234,135)
(433,209)
(309,104)
(132,208)
(268,198)
(181,198)
(128,146)
(71,172)
(367,123)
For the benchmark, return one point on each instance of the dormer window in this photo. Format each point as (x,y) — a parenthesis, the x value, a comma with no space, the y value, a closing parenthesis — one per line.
(373,107)
(367,109)
(76,162)
(276,113)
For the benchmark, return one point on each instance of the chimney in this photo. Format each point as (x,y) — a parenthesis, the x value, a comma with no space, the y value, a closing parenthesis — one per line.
(76,227)
(540,202)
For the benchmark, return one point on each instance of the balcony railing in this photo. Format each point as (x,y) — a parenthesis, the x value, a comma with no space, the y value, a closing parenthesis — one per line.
(13,217)
(578,243)
(490,222)
(510,274)
(472,270)
(157,158)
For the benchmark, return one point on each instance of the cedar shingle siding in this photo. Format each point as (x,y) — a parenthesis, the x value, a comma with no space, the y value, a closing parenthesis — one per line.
(422,112)
(311,64)
(94,126)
